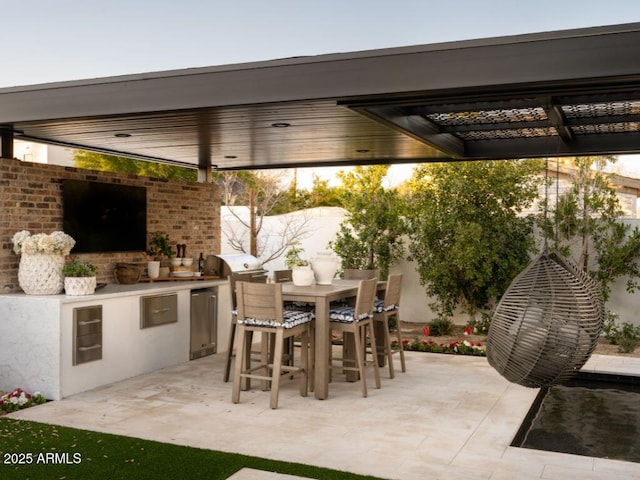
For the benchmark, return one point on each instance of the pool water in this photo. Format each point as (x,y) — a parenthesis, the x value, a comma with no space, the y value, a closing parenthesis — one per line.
(595,415)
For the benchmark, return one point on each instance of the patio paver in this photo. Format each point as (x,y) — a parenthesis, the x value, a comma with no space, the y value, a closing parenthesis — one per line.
(447,416)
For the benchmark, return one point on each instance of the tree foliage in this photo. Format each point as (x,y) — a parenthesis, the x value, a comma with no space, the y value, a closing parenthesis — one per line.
(466,232)
(372,234)
(321,195)
(586,223)
(112,163)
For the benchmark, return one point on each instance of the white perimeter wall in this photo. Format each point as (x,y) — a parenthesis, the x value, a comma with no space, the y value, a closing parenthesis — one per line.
(323,224)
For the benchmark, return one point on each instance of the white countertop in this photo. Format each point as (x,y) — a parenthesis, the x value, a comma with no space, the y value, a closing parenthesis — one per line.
(113,290)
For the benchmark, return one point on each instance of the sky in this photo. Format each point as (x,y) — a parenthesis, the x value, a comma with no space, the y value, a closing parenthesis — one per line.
(46,40)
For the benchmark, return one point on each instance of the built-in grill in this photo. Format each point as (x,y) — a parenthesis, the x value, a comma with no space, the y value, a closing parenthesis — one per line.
(224,265)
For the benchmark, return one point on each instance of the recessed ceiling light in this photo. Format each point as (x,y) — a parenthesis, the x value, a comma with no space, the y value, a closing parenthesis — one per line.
(281,125)
(122,135)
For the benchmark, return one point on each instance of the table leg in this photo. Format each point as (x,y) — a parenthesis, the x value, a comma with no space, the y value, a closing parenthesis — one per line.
(321,373)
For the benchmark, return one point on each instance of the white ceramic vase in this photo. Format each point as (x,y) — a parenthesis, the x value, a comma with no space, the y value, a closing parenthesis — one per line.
(302,276)
(79,285)
(153,269)
(325,266)
(41,274)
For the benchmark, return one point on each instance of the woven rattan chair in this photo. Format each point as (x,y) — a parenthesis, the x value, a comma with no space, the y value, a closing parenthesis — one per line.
(356,321)
(260,309)
(547,324)
(383,311)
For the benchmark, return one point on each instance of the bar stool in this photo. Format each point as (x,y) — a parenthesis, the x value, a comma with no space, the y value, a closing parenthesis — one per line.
(280,276)
(384,310)
(360,274)
(233,279)
(355,321)
(260,309)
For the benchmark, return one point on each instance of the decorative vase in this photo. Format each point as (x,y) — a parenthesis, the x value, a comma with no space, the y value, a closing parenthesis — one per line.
(79,285)
(153,269)
(325,266)
(41,273)
(302,276)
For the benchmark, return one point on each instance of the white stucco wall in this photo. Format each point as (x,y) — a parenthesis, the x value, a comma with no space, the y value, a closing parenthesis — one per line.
(323,225)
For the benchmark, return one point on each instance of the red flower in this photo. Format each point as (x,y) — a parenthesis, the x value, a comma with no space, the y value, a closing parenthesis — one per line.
(405,341)
(426,331)
(467,331)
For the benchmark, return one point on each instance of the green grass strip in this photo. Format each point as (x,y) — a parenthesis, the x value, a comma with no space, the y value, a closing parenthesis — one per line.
(35,451)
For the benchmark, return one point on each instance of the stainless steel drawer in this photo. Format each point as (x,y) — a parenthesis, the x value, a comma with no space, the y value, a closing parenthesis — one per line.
(88,320)
(88,348)
(87,334)
(158,310)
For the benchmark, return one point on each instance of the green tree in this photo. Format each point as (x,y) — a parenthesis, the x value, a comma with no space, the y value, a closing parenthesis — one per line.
(372,234)
(112,163)
(467,234)
(586,223)
(321,195)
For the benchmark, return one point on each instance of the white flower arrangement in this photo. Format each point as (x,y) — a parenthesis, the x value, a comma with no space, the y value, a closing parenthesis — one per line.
(55,243)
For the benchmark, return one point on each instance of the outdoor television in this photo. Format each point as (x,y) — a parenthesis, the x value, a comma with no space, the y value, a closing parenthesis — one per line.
(104,217)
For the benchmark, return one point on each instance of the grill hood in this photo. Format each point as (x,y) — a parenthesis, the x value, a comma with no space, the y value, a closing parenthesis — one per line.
(224,265)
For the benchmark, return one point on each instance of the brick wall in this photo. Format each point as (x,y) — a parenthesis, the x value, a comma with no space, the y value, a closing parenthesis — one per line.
(31,199)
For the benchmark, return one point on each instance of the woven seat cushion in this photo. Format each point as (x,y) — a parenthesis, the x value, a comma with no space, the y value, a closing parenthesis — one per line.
(378,306)
(292,318)
(296,305)
(345,315)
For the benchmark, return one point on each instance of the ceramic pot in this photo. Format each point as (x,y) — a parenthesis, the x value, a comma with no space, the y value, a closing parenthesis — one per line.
(79,285)
(302,276)
(41,274)
(153,269)
(324,266)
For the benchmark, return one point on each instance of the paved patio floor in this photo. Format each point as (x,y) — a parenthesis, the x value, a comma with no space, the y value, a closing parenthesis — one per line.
(446,417)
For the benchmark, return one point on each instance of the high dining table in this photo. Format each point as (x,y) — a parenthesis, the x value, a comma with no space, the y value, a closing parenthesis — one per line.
(322,296)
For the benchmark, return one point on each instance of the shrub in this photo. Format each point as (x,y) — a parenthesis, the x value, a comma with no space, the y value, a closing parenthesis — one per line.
(626,335)
(441,326)
(480,326)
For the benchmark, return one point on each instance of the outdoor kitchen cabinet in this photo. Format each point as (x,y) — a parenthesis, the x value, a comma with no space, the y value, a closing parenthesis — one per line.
(41,328)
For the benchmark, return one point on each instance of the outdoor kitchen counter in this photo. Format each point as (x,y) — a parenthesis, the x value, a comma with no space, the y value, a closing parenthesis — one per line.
(112,290)
(40,339)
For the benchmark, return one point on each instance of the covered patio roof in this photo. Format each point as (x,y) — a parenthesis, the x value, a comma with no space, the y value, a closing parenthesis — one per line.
(573,92)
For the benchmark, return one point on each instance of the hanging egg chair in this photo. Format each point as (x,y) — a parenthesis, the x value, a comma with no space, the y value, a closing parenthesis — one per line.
(547,324)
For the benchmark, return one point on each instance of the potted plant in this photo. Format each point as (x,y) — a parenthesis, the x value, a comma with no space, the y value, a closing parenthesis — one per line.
(79,277)
(301,272)
(158,249)
(159,246)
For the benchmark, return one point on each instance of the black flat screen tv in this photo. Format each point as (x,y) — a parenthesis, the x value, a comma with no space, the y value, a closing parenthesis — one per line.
(104,217)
